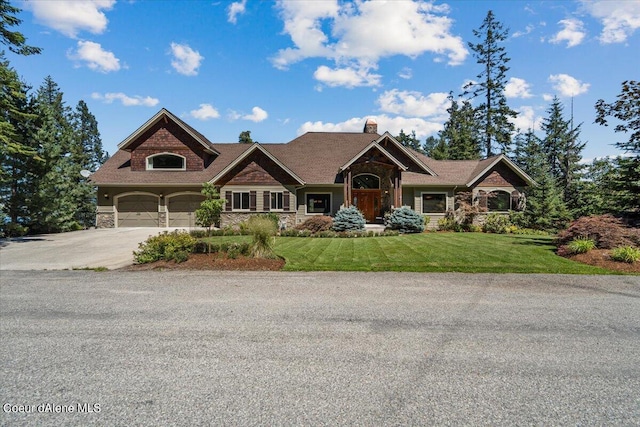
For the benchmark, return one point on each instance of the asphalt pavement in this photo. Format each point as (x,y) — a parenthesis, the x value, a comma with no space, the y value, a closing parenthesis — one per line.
(372,349)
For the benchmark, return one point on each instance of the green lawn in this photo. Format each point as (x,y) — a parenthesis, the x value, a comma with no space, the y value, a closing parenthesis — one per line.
(427,252)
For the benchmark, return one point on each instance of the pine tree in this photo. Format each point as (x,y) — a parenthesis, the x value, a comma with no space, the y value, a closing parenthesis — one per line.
(436,148)
(493,113)
(410,141)
(460,132)
(15,40)
(626,109)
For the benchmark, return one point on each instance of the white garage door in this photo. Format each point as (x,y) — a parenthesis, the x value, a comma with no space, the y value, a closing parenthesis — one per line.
(182,210)
(138,211)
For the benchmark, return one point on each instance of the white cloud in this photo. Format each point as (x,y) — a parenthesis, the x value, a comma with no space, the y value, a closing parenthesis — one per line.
(547,97)
(257,115)
(527,119)
(205,112)
(528,29)
(410,103)
(235,9)
(127,101)
(406,73)
(620,19)
(567,85)
(422,127)
(350,33)
(71,16)
(95,57)
(185,60)
(573,33)
(517,88)
(347,77)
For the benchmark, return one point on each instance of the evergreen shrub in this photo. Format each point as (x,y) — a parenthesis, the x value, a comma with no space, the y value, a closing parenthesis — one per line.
(405,220)
(348,219)
(176,246)
(496,223)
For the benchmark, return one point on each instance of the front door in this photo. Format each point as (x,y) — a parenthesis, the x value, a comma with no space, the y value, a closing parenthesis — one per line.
(368,202)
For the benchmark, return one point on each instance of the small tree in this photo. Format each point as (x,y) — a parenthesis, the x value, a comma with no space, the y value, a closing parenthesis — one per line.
(208,213)
(245,137)
(348,219)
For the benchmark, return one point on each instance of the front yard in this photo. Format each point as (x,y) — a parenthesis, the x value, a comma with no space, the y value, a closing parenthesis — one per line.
(426,252)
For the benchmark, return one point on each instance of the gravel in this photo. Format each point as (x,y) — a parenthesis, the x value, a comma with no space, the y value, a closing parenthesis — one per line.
(275,348)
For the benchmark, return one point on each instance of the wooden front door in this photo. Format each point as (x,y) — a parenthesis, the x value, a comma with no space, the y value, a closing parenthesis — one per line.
(368,202)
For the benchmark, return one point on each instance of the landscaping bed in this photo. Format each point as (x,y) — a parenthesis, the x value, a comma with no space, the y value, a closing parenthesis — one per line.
(602,258)
(213,262)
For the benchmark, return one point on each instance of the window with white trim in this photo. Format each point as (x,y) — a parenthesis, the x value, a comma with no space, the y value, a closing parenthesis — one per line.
(434,203)
(166,161)
(499,201)
(277,200)
(318,203)
(241,201)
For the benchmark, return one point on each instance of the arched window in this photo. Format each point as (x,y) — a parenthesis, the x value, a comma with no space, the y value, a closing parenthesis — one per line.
(365,181)
(499,201)
(166,161)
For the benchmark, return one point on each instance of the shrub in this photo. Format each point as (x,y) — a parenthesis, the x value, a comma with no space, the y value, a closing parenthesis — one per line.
(176,246)
(316,224)
(406,220)
(348,219)
(581,245)
(263,231)
(626,254)
(449,223)
(607,232)
(496,223)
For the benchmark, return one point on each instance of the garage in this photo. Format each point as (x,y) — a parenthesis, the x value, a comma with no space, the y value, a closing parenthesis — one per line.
(138,211)
(182,209)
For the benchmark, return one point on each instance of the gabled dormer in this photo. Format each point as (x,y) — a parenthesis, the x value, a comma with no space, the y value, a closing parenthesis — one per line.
(166,143)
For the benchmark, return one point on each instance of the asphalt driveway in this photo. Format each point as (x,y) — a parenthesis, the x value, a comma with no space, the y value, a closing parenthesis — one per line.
(104,247)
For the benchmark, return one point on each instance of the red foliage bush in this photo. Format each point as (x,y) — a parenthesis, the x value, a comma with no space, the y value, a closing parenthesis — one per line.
(606,230)
(316,224)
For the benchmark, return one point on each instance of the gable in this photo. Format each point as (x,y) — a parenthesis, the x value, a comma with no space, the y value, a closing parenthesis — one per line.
(256,169)
(167,137)
(500,176)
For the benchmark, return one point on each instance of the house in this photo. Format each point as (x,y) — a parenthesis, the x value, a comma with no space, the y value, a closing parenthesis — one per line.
(155,177)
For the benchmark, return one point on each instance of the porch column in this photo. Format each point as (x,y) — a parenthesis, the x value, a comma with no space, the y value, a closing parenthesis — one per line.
(396,190)
(345,190)
(348,201)
(399,190)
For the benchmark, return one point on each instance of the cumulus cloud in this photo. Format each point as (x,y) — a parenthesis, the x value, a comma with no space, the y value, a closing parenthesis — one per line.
(205,112)
(71,16)
(349,33)
(411,103)
(347,77)
(126,100)
(94,57)
(620,19)
(526,119)
(517,88)
(573,32)
(185,61)
(257,115)
(422,127)
(235,9)
(567,85)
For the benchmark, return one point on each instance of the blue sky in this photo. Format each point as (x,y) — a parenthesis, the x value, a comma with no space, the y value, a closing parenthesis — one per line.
(282,68)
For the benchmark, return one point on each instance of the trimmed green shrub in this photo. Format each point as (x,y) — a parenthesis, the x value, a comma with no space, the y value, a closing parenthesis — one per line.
(165,246)
(626,254)
(348,219)
(405,220)
(581,245)
(263,231)
(316,224)
(496,223)
(449,223)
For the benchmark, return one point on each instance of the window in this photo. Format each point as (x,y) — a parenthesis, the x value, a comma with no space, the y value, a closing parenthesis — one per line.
(318,203)
(241,201)
(434,202)
(277,200)
(365,181)
(499,201)
(165,162)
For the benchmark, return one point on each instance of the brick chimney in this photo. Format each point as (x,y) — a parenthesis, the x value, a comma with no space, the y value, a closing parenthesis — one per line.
(370,126)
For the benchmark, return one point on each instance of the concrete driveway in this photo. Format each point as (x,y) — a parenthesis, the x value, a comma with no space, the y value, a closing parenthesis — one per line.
(105,247)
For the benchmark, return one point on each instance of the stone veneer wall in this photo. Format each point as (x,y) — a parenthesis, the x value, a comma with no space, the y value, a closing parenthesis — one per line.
(230,219)
(105,220)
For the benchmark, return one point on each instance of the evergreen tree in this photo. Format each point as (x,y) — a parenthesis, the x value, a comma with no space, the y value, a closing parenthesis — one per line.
(493,113)
(410,141)
(435,148)
(460,133)
(245,137)
(598,194)
(14,40)
(626,109)
(562,148)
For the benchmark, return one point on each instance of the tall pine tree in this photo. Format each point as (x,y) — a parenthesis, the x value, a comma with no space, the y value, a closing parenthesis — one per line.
(410,140)
(460,133)
(493,113)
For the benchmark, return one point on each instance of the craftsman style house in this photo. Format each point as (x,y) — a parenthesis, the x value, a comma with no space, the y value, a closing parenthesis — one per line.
(155,177)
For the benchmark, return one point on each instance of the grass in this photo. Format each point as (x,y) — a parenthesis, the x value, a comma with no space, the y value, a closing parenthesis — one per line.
(427,252)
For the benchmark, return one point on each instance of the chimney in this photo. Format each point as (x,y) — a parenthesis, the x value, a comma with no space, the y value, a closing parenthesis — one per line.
(370,126)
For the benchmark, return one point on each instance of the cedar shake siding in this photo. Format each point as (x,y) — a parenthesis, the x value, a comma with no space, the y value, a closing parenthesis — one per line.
(317,168)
